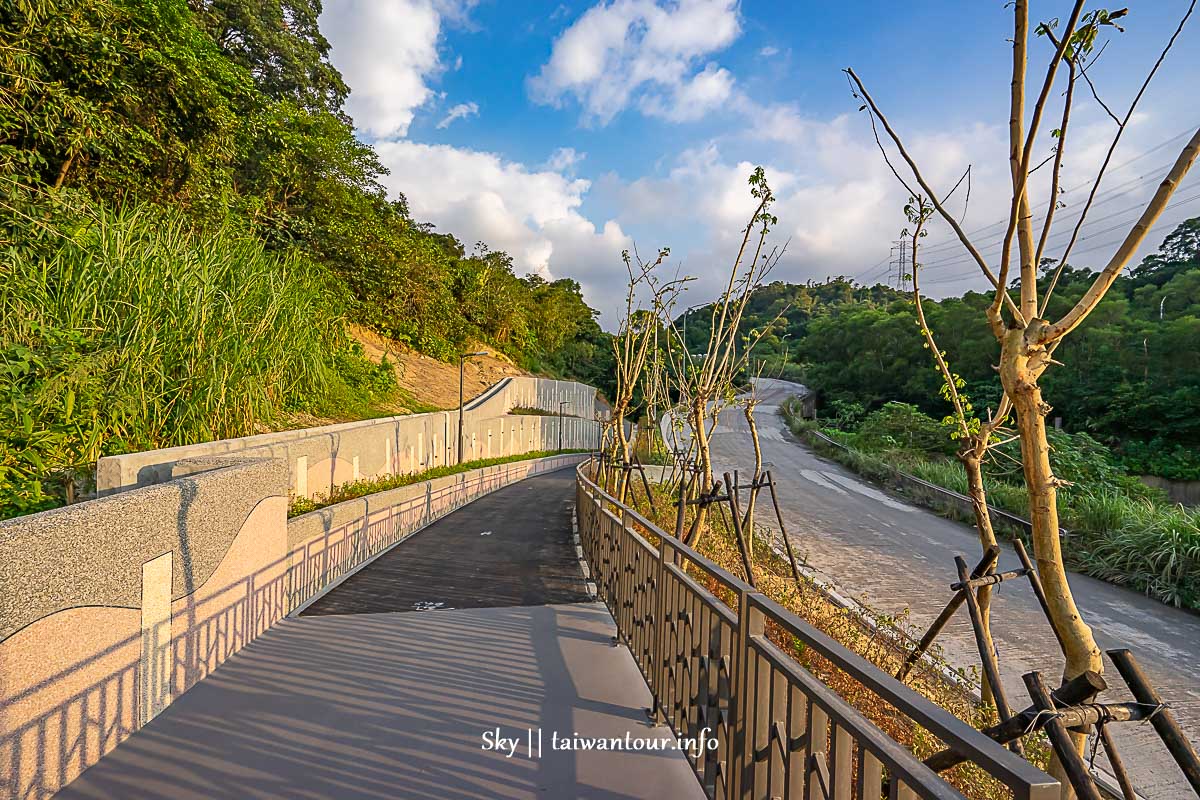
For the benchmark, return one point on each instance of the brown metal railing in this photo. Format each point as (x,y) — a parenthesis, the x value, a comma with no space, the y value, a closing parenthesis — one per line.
(780,732)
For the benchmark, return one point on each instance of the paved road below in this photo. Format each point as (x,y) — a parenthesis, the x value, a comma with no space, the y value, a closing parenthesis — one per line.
(894,556)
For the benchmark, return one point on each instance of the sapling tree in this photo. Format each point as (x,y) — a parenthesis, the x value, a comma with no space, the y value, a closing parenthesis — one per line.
(634,342)
(1027,341)
(974,436)
(705,384)
(749,400)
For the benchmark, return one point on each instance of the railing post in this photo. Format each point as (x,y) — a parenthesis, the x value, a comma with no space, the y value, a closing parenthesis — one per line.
(659,648)
(623,593)
(742,700)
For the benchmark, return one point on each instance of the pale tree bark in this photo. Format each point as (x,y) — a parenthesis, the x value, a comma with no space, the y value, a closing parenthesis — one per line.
(748,407)
(706,388)
(637,332)
(1027,342)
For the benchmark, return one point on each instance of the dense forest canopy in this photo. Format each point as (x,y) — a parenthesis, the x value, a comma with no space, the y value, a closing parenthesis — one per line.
(1130,376)
(231,108)
(189,222)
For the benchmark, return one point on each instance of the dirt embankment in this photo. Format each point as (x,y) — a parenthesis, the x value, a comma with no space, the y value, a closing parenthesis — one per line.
(431,382)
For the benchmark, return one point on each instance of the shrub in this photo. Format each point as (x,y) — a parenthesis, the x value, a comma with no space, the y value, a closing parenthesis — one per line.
(846,416)
(901,425)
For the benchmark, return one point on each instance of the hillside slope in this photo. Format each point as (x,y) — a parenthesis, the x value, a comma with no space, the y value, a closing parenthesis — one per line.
(431,384)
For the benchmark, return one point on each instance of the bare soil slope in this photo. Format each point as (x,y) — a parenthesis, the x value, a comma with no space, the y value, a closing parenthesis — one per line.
(431,382)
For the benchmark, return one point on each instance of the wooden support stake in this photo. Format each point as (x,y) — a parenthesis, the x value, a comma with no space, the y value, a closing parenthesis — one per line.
(991,669)
(1060,740)
(645,482)
(1163,720)
(1114,761)
(679,513)
(985,564)
(700,501)
(731,490)
(770,482)
(1079,689)
(1035,582)
(991,579)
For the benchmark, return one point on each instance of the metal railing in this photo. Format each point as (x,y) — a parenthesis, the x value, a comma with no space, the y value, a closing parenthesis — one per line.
(716,675)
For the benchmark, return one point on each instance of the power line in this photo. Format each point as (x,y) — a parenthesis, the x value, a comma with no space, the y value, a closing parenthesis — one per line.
(1003,223)
(1123,189)
(1120,190)
(1154,228)
(1063,235)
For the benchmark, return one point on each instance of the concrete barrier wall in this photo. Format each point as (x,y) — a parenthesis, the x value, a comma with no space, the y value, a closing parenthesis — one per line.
(321,458)
(112,607)
(1185,492)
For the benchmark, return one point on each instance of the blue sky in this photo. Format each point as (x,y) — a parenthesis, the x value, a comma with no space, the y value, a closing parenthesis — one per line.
(566,132)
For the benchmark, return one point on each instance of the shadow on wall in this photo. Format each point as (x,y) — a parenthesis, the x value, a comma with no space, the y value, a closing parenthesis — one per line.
(78,681)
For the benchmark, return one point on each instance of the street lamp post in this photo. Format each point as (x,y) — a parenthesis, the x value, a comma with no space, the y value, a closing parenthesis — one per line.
(461,360)
(560,422)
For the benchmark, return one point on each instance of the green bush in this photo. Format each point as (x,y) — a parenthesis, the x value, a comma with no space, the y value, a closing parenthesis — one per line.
(1120,530)
(1170,460)
(901,425)
(1152,548)
(846,415)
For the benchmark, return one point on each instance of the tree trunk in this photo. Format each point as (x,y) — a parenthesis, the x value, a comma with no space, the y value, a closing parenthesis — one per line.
(1021,364)
(748,523)
(971,461)
(623,442)
(704,477)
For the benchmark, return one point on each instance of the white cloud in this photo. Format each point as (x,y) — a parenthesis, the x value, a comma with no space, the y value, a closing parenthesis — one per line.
(388,50)
(628,49)
(769,51)
(564,159)
(693,98)
(838,205)
(460,111)
(533,215)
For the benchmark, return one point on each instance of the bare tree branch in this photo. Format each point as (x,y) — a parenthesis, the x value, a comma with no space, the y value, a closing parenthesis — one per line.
(930,193)
(1122,125)
(1128,247)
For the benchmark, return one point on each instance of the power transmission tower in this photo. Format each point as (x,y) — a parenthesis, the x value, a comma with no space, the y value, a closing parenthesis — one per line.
(897,266)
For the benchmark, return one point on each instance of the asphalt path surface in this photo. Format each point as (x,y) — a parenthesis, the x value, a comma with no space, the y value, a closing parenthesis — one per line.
(513,547)
(893,556)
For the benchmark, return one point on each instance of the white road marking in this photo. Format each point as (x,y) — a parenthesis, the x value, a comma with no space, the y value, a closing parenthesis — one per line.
(867,491)
(819,479)
(486,533)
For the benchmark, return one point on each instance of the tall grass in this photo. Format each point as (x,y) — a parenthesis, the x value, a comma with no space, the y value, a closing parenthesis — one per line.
(1149,547)
(1118,532)
(126,330)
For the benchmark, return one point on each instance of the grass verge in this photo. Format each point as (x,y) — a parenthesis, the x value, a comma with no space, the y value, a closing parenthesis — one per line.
(366,486)
(1132,541)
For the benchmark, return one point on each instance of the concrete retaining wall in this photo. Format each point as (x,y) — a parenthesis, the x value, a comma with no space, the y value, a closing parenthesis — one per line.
(112,607)
(1185,492)
(321,458)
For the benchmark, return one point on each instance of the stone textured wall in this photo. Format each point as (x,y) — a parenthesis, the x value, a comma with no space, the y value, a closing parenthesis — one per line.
(321,458)
(112,607)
